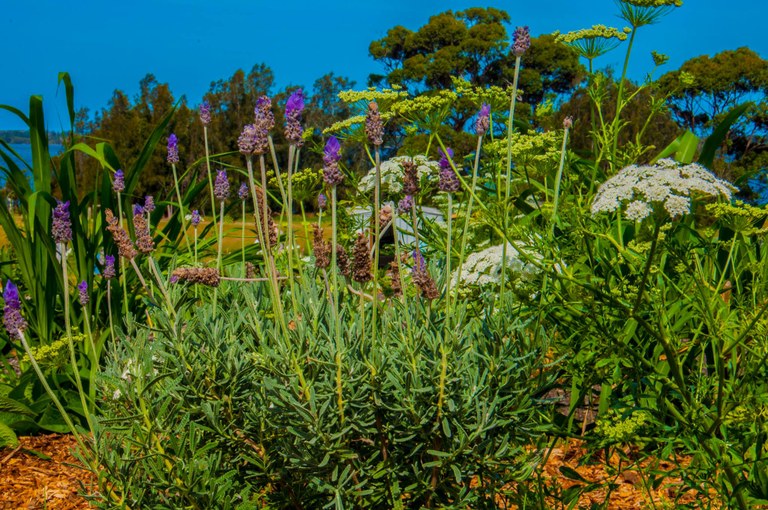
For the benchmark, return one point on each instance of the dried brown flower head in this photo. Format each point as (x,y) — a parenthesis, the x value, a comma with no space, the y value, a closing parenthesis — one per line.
(361,260)
(122,240)
(321,249)
(208,276)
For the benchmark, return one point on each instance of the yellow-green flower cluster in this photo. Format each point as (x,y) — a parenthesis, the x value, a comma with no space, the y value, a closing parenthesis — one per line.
(351,123)
(620,430)
(372,94)
(540,150)
(740,217)
(597,31)
(53,354)
(497,97)
(421,107)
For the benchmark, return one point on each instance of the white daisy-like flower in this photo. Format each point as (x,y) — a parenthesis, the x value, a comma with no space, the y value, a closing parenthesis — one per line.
(666,186)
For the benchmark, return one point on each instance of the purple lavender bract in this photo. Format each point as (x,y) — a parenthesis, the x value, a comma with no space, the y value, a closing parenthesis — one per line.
(246,142)
(109,267)
(406,204)
(521,41)
(61,230)
(12,320)
(82,289)
(242,193)
(263,113)
(448,182)
(205,113)
(173,149)
(374,129)
(483,122)
(322,201)
(149,203)
(221,186)
(331,156)
(137,209)
(118,182)
(196,218)
(293,109)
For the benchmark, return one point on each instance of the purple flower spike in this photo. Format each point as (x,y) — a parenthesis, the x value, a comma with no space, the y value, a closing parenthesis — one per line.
(149,203)
(109,267)
(374,129)
(419,264)
(242,193)
(293,109)
(205,113)
(196,218)
(263,113)
(322,201)
(331,156)
(448,182)
(82,289)
(12,319)
(61,230)
(521,41)
(118,182)
(406,204)
(137,209)
(173,149)
(221,186)
(253,140)
(483,122)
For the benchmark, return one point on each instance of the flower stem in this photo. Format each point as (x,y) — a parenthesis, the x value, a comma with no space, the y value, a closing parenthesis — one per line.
(376,241)
(508,179)
(557,186)
(182,219)
(208,171)
(122,262)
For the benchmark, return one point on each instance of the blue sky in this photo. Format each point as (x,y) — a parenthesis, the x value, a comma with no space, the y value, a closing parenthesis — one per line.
(189,43)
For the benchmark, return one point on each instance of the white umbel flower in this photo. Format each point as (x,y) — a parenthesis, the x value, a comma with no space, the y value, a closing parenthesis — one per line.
(392,174)
(666,186)
(483,268)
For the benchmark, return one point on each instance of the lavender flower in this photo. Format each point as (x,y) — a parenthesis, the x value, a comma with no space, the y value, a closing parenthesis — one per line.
(173,149)
(205,113)
(293,109)
(322,201)
(331,156)
(242,193)
(82,289)
(196,218)
(421,277)
(521,41)
(568,123)
(124,246)
(263,113)
(144,241)
(149,203)
(137,209)
(221,186)
(410,177)
(61,230)
(448,182)
(118,182)
(406,204)
(247,140)
(483,122)
(109,267)
(374,129)
(12,320)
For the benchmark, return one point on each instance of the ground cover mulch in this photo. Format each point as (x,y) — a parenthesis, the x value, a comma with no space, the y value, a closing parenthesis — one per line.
(53,480)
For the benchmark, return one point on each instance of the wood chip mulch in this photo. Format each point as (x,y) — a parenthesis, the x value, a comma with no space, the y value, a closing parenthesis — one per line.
(28,481)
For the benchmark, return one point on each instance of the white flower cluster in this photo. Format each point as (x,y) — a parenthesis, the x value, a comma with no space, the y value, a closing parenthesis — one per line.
(392,174)
(640,190)
(483,268)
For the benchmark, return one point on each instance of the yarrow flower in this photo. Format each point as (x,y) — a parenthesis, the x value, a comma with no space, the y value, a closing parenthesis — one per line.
(118,182)
(521,41)
(483,122)
(196,218)
(448,183)
(331,156)
(666,187)
(221,186)
(82,289)
(242,193)
(374,128)
(173,149)
(205,113)
(293,109)
(109,267)
(12,319)
(61,230)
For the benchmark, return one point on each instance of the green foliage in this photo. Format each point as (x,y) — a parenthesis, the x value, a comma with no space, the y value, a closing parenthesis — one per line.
(262,413)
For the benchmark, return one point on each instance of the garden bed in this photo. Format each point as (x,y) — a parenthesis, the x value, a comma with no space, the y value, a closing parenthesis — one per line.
(34,481)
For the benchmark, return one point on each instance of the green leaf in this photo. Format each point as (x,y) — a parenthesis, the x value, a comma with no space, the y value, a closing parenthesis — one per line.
(715,140)
(14,406)
(572,474)
(8,437)
(683,147)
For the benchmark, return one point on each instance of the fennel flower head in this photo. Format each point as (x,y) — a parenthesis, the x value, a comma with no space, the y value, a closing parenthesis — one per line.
(665,188)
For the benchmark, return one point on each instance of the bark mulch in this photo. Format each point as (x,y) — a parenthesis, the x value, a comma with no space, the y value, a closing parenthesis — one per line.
(29,481)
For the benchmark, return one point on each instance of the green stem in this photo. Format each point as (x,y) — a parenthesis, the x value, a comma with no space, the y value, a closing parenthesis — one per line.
(208,171)
(242,238)
(218,257)
(376,240)
(619,101)
(465,230)
(122,262)
(182,219)
(557,185)
(505,212)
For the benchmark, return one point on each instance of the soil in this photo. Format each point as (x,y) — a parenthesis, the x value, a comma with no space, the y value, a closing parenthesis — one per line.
(51,478)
